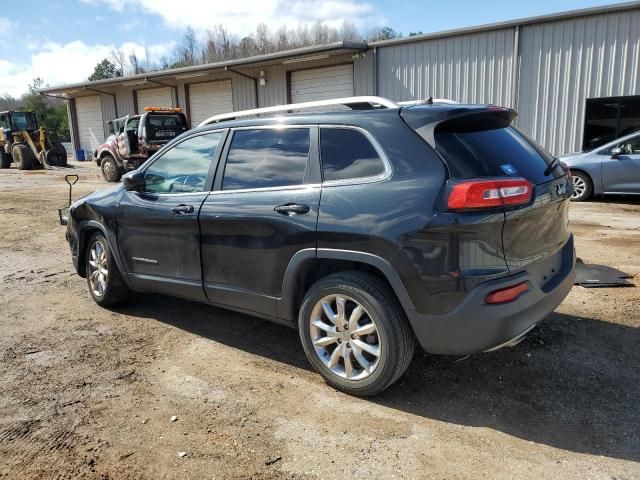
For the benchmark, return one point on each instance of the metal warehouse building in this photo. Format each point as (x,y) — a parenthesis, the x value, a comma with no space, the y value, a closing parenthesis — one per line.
(574,77)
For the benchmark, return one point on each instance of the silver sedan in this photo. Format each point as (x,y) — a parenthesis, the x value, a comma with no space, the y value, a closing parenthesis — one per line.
(613,168)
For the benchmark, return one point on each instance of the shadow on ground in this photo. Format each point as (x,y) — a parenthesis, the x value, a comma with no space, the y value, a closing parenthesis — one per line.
(574,383)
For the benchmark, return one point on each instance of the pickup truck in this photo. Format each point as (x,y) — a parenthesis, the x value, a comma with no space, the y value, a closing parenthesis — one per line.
(134,138)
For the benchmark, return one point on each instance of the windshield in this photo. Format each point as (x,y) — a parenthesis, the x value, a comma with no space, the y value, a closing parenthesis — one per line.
(23,121)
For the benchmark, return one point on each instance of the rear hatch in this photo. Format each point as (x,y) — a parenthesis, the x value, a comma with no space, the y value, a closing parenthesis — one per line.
(163,127)
(478,143)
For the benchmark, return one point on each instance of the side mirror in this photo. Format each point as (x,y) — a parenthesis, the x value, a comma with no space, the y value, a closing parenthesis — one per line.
(133,181)
(110,128)
(616,152)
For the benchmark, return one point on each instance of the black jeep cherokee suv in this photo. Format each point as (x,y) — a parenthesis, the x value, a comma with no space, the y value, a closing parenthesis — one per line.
(364,229)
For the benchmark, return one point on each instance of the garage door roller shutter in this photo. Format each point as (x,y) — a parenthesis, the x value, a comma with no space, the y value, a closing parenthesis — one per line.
(322,83)
(154,97)
(90,124)
(209,98)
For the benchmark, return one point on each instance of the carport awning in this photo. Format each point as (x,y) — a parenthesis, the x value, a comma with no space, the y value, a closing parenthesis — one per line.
(171,76)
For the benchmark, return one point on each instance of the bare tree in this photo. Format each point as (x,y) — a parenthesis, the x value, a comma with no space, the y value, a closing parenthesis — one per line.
(187,53)
(217,44)
(119,59)
(283,38)
(134,62)
(349,32)
(302,36)
(262,39)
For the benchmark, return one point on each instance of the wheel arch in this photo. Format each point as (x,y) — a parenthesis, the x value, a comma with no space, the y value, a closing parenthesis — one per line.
(595,184)
(85,230)
(310,265)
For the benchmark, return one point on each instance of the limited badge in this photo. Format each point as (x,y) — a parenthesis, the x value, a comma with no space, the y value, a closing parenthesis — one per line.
(508,169)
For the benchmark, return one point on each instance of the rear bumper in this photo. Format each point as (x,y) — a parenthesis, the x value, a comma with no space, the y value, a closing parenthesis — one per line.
(475,326)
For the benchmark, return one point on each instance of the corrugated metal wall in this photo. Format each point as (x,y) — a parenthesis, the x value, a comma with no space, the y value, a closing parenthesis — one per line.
(363,74)
(563,63)
(124,100)
(472,68)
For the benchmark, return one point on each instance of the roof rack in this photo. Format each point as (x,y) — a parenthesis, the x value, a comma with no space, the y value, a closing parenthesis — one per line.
(355,103)
(425,101)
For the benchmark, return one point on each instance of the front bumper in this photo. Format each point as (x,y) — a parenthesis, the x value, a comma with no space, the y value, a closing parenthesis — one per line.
(475,326)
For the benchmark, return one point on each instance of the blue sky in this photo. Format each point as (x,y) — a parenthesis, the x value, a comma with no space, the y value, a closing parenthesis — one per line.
(61,40)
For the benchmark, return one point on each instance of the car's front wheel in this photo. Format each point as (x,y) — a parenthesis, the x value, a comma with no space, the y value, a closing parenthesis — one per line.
(582,187)
(103,276)
(355,333)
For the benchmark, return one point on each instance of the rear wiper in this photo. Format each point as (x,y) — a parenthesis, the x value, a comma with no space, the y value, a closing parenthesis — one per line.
(551,166)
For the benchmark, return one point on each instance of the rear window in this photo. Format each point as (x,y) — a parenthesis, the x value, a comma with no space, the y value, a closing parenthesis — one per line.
(493,153)
(348,154)
(165,120)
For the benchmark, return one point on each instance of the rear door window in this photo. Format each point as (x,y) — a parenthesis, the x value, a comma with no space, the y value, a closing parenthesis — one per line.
(263,158)
(348,154)
(493,153)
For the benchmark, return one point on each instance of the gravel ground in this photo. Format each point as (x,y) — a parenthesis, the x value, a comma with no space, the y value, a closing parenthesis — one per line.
(90,393)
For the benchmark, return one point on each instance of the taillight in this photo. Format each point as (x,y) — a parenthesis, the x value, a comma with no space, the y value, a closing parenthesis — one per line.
(505,295)
(484,193)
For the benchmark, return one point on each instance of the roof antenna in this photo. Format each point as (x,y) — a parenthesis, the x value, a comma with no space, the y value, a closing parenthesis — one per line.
(429,101)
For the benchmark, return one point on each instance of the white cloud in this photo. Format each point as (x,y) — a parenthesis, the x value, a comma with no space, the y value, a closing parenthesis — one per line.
(242,16)
(7,27)
(72,62)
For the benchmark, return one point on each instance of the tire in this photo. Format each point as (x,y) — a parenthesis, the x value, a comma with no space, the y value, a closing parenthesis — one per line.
(57,156)
(110,170)
(5,159)
(582,187)
(23,156)
(390,336)
(104,279)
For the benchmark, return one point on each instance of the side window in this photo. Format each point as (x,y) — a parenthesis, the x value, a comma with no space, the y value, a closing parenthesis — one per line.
(184,167)
(132,125)
(348,154)
(631,146)
(267,158)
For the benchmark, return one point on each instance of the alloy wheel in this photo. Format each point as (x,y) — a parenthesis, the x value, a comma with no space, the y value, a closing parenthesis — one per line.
(579,187)
(98,268)
(345,337)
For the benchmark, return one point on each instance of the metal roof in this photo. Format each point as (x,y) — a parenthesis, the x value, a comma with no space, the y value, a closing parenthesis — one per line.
(616,7)
(247,61)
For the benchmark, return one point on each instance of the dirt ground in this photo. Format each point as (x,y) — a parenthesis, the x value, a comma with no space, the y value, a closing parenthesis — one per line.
(89,393)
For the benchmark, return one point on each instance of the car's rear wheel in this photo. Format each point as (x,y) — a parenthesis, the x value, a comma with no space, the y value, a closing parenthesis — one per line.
(355,333)
(103,276)
(582,187)
(109,168)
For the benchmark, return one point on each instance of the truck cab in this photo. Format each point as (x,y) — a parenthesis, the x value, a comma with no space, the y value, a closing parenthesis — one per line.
(135,138)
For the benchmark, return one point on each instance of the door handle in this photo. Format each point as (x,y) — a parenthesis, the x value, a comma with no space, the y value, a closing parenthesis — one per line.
(292,209)
(182,208)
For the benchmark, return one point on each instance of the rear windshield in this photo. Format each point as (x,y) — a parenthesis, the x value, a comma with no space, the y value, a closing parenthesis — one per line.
(165,120)
(493,153)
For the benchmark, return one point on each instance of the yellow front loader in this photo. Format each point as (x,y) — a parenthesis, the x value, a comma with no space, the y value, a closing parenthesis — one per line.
(26,144)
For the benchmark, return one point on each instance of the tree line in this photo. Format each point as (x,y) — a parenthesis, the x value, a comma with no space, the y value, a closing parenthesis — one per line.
(218,44)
